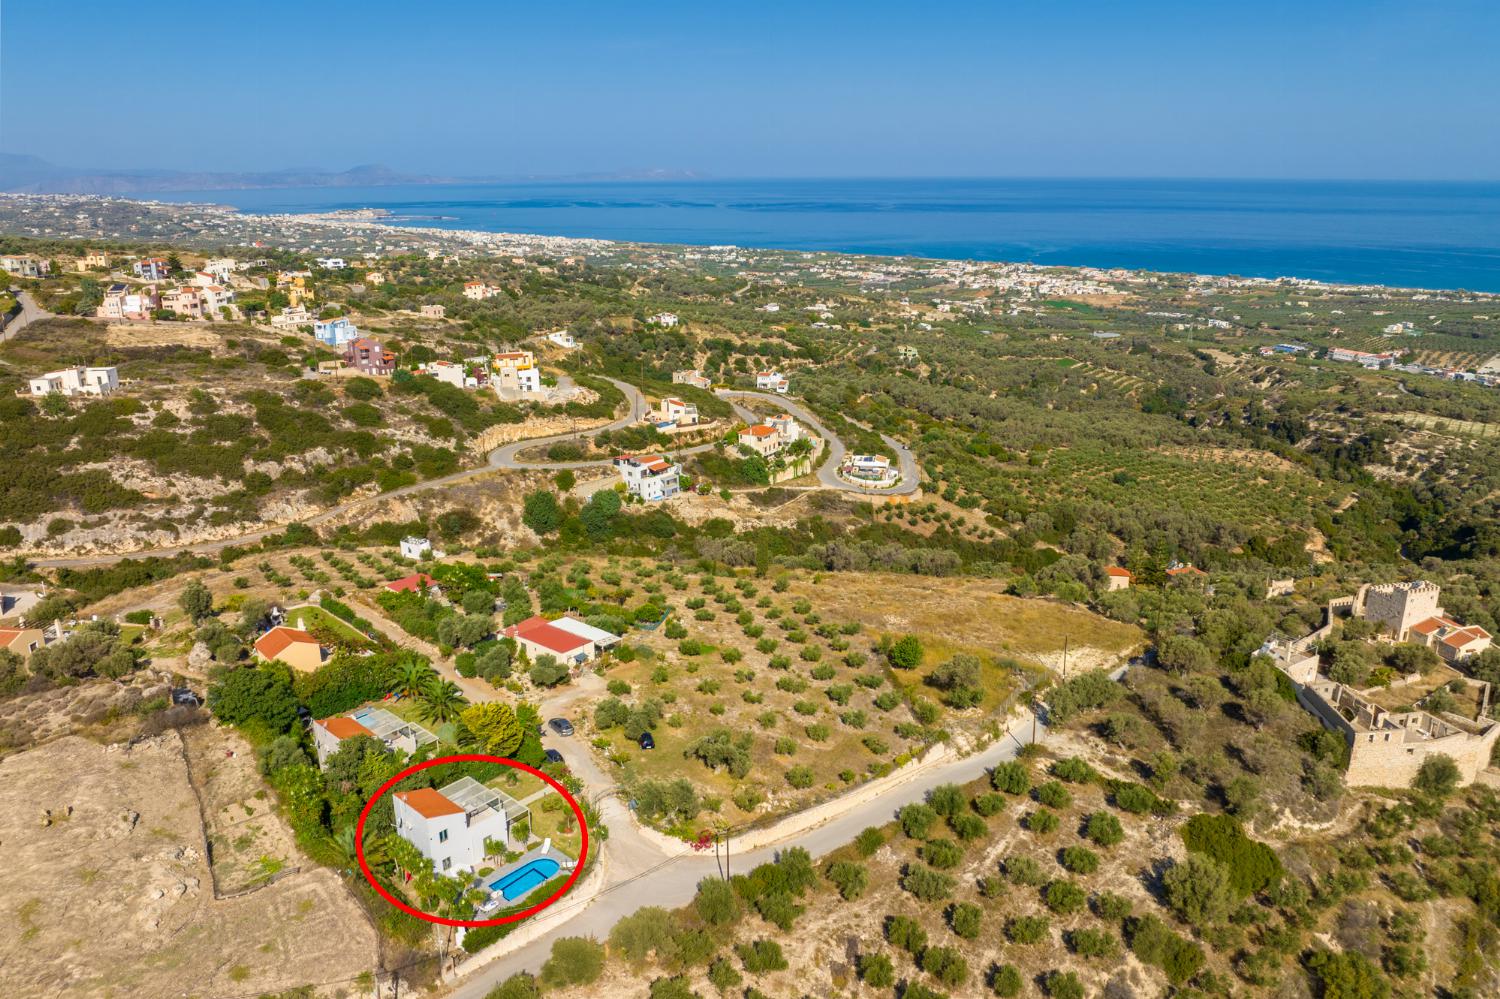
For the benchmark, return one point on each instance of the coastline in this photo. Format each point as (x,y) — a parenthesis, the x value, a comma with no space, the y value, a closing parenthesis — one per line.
(384,220)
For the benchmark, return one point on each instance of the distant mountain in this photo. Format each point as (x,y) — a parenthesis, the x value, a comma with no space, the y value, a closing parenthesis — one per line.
(23,174)
(33,175)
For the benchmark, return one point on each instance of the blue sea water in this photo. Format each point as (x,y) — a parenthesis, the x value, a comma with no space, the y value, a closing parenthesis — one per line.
(1410,234)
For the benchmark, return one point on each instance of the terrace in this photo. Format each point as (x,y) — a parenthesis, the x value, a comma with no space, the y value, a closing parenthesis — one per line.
(395,732)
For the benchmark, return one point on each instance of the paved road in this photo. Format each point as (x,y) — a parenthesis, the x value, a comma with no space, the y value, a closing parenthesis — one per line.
(30,313)
(640,873)
(506,457)
(828,471)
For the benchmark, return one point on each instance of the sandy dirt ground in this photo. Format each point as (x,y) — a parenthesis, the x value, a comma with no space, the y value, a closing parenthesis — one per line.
(110,893)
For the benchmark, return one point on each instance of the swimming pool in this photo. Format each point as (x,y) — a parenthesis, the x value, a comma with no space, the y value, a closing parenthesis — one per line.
(514,884)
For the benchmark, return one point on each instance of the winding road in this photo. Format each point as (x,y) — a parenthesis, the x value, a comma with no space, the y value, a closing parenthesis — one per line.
(507,457)
(828,471)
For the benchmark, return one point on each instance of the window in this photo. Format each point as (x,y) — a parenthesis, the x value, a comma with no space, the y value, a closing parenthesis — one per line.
(442,836)
(447,862)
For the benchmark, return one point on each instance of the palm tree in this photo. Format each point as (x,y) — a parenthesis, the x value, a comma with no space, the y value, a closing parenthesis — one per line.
(441,701)
(412,677)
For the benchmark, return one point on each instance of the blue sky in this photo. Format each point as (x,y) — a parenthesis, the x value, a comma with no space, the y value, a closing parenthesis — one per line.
(1338,88)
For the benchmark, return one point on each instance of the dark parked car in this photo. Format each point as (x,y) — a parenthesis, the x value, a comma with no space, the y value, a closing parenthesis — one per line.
(553,756)
(561,726)
(646,741)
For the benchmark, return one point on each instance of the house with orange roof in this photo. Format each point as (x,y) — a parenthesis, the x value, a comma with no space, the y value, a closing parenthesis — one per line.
(451,826)
(1185,570)
(761,439)
(297,648)
(373,722)
(649,476)
(1117,578)
(22,641)
(1452,641)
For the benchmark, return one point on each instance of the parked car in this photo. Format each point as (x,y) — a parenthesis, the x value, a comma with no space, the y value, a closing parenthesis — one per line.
(561,726)
(646,741)
(553,756)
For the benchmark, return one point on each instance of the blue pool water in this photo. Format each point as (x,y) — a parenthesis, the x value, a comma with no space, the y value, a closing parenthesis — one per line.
(518,882)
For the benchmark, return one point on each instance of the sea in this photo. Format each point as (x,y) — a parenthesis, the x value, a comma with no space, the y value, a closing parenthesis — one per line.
(1439,235)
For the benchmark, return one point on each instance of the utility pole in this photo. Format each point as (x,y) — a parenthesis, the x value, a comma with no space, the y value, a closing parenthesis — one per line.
(1065,657)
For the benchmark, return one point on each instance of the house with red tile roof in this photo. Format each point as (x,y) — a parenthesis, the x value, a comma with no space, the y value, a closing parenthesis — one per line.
(1452,641)
(567,638)
(415,583)
(1116,578)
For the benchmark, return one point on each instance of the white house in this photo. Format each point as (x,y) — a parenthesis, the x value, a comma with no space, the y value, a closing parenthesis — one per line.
(76,381)
(220,268)
(450,825)
(649,476)
(292,317)
(451,372)
(665,319)
(691,376)
(335,332)
(479,291)
(377,723)
(150,269)
(415,547)
(331,263)
(563,339)
(873,468)
(26,267)
(787,428)
(677,413)
(773,380)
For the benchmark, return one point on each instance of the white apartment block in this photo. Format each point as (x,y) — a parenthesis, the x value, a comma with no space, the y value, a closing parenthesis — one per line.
(76,381)
(26,267)
(331,263)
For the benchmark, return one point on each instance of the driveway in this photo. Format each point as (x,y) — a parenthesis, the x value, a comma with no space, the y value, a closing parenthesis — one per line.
(30,313)
(641,873)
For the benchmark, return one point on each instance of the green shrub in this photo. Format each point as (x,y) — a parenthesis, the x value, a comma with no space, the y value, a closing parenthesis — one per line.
(1027,929)
(1253,867)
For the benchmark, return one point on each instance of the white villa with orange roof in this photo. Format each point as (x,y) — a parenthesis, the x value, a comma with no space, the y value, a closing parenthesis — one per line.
(450,825)
(677,413)
(376,723)
(649,476)
(1116,578)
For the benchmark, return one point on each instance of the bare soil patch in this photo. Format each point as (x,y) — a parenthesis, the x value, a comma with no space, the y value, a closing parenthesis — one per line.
(112,895)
